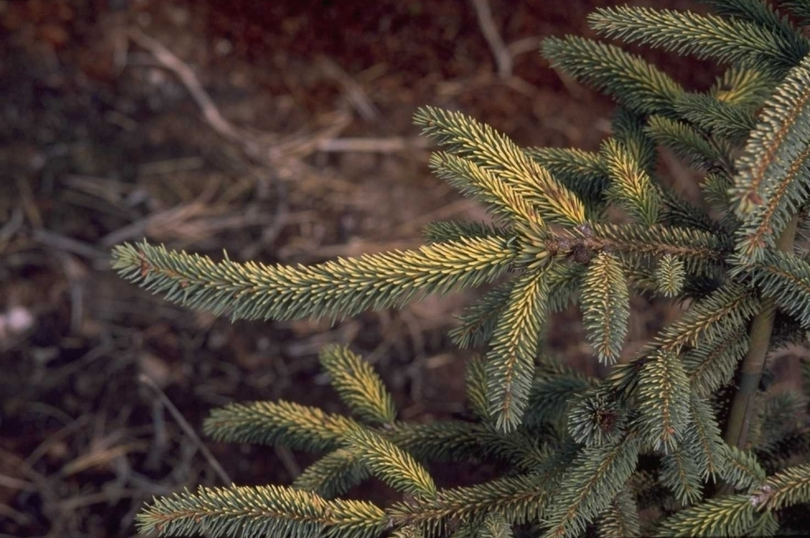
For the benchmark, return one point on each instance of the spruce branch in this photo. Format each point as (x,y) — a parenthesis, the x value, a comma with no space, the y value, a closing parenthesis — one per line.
(681,475)
(631,186)
(495,153)
(343,287)
(723,119)
(595,477)
(762,13)
(711,364)
(518,499)
(390,463)
(596,419)
(689,144)
(787,488)
(620,519)
(278,423)
(510,361)
(251,512)
(476,384)
(773,179)
(785,279)
(747,88)
(554,387)
(697,249)
(723,516)
(725,310)
(629,130)
(670,275)
(606,307)
(741,469)
(703,443)
(478,321)
(495,526)
(633,82)
(799,9)
(476,181)
(663,391)
(358,385)
(332,475)
(583,172)
(730,41)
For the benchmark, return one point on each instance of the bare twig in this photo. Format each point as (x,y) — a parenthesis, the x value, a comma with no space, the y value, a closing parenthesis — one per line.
(191,82)
(67,244)
(187,429)
(357,97)
(503,57)
(524,45)
(372,145)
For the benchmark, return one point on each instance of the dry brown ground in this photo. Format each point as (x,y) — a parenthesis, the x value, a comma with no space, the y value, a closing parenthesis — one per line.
(304,152)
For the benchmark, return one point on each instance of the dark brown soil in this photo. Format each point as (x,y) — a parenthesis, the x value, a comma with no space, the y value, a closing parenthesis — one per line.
(100,144)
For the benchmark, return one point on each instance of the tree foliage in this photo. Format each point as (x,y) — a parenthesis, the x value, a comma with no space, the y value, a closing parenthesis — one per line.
(686,420)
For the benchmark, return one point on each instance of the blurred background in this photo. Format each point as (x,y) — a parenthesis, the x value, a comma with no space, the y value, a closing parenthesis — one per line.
(279,131)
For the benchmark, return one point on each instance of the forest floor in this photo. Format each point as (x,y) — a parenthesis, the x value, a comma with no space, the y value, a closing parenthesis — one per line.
(281,132)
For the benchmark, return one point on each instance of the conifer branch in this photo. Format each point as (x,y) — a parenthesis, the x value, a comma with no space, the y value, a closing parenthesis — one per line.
(627,78)
(663,391)
(278,423)
(746,88)
(595,478)
(696,248)
(605,307)
(332,475)
(703,443)
(510,362)
(763,14)
(680,474)
(481,184)
(723,311)
(568,445)
(596,419)
(620,519)
(517,499)
(785,278)
(250,512)
(772,179)
(731,41)
(497,154)
(723,516)
(711,364)
(741,469)
(495,526)
(629,130)
(723,119)
(476,383)
(689,144)
(787,488)
(553,389)
(631,185)
(358,385)
(390,463)
(799,9)
(343,287)
(478,321)
(583,172)
(670,275)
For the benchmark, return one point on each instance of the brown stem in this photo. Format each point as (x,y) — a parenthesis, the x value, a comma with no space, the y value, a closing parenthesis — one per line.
(742,406)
